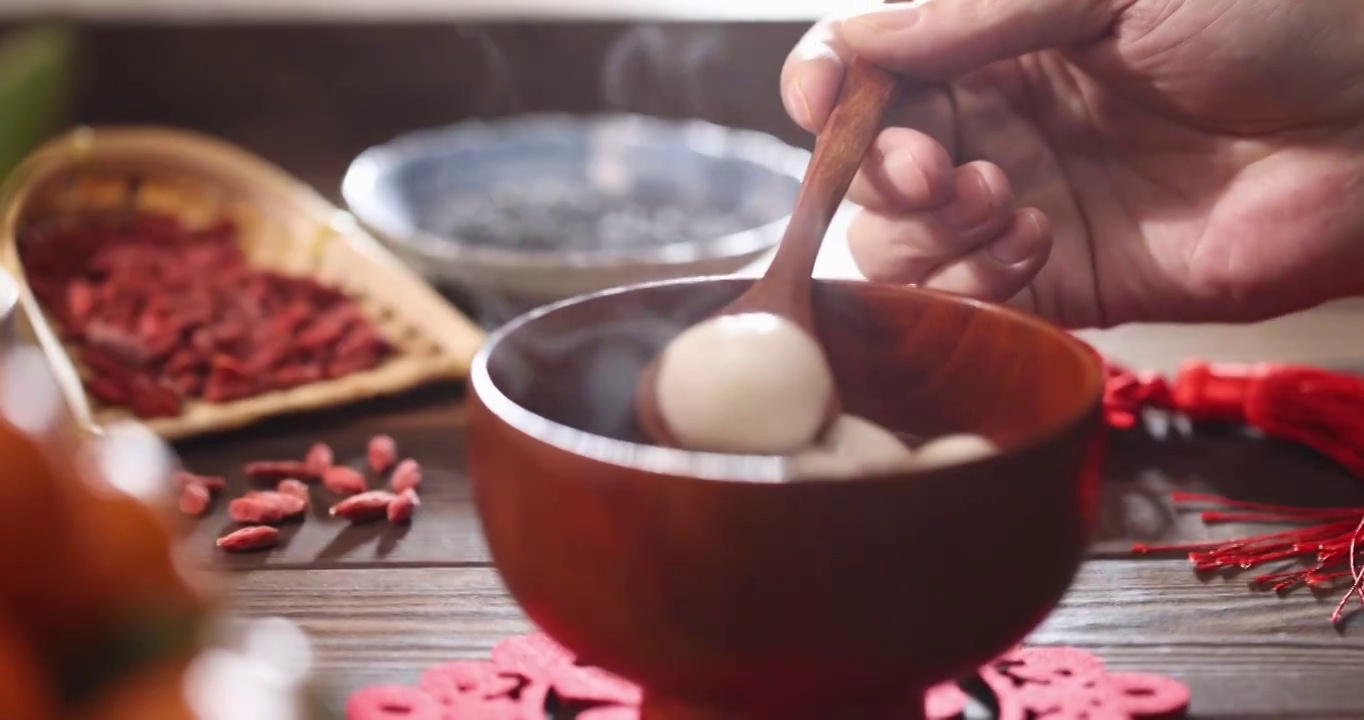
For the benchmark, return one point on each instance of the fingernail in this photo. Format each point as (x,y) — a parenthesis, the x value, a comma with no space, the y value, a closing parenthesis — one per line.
(904,169)
(973,205)
(1020,242)
(884,20)
(797,101)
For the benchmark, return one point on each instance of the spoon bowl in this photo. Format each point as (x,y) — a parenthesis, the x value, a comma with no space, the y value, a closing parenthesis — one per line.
(728,593)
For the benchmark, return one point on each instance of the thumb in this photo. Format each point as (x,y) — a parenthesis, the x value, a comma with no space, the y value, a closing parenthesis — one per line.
(937,40)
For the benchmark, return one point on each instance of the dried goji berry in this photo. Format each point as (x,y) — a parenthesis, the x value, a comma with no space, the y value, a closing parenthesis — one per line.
(343,366)
(214,484)
(364,507)
(383,452)
(343,480)
(272,471)
(402,508)
(319,458)
(187,384)
(360,340)
(295,375)
(80,300)
(150,399)
(202,341)
(291,504)
(248,509)
(108,391)
(270,354)
(250,539)
(265,508)
(406,476)
(326,330)
(227,380)
(194,499)
(296,488)
(118,342)
(148,302)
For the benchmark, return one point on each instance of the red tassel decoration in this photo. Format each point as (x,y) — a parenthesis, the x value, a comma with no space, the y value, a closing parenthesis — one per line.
(1320,409)
(1317,408)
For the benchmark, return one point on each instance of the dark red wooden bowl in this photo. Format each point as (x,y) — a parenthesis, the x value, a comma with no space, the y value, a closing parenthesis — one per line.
(726,594)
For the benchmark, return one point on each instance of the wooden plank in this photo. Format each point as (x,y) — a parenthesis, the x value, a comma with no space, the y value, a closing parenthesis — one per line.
(1327,335)
(390,11)
(427,425)
(1243,655)
(1144,467)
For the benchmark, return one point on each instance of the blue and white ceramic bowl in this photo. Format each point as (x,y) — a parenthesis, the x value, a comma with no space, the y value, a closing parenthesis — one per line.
(544,207)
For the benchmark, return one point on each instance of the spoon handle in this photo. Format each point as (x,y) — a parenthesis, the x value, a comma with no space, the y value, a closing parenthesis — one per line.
(857,118)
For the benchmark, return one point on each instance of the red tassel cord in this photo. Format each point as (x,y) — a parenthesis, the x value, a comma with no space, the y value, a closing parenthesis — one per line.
(1317,408)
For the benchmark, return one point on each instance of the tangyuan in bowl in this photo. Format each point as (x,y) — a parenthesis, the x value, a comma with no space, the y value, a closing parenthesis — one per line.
(540,208)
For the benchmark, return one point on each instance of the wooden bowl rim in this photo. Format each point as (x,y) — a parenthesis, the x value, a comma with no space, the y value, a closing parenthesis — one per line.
(751,468)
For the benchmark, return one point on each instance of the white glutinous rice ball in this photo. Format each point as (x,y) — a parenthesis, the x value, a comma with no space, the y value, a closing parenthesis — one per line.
(753,383)
(953,450)
(851,447)
(820,463)
(872,447)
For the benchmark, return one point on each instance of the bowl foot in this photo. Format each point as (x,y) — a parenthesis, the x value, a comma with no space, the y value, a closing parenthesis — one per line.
(904,706)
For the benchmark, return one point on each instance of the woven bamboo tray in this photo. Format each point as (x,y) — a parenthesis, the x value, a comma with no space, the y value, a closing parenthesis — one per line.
(285,226)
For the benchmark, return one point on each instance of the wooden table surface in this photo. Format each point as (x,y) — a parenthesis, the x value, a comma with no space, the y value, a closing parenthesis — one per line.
(382,603)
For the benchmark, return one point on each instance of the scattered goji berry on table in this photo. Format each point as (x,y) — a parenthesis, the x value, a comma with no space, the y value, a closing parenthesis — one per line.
(265,508)
(343,480)
(194,499)
(402,508)
(364,507)
(296,488)
(214,484)
(272,471)
(319,458)
(288,503)
(406,476)
(383,452)
(250,539)
(290,497)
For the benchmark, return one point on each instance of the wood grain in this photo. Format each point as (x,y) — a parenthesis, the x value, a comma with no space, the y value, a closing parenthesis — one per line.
(1144,467)
(396,605)
(427,426)
(310,97)
(434,11)
(1242,655)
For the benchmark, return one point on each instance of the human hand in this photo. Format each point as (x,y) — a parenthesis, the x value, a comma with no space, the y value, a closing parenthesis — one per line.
(1107,161)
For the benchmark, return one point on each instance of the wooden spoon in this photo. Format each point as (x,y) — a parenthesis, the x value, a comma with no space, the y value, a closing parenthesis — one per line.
(785,288)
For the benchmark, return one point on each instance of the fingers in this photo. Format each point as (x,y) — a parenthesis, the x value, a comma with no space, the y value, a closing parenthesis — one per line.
(932,40)
(977,243)
(1002,268)
(905,169)
(905,246)
(812,75)
(941,39)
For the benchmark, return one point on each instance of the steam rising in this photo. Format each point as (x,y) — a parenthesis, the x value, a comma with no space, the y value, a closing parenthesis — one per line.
(651,65)
(650,69)
(499,89)
(577,365)
(583,374)
(580,368)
